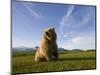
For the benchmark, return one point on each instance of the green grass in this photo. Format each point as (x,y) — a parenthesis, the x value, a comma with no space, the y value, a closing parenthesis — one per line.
(68,60)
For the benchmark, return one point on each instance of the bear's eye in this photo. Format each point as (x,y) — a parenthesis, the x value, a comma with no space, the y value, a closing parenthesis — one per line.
(47,33)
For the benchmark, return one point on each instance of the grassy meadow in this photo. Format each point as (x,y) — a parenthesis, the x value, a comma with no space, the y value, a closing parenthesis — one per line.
(23,62)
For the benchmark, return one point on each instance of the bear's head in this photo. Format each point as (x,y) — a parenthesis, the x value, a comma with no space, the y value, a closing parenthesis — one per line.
(50,34)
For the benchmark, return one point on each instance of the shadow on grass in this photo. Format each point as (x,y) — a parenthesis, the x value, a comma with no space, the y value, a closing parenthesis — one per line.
(88,58)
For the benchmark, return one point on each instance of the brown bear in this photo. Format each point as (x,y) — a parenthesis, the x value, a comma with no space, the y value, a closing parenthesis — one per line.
(47,50)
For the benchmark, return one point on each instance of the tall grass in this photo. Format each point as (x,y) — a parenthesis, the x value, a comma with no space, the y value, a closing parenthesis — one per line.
(68,60)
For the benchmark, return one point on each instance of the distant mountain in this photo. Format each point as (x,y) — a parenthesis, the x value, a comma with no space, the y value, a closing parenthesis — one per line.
(76,50)
(22,48)
(62,49)
(90,50)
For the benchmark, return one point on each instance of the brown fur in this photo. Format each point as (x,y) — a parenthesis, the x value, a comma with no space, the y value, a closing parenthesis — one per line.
(48,47)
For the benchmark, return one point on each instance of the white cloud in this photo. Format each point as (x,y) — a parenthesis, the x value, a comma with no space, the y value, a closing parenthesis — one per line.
(70,21)
(67,34)
(75,19)
(69,12)
(66,17)
(33,12)
(85,42)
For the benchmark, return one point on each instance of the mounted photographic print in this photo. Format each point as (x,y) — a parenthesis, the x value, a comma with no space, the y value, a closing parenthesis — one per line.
(52,37)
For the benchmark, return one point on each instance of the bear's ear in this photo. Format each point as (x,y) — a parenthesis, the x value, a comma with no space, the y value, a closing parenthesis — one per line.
(53,28)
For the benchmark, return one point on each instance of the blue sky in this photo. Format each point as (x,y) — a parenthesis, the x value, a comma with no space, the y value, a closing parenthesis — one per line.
(74,24)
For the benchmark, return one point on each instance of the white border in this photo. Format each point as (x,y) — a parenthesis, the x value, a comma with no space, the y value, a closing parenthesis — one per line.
(86,2)
(5,29)
(4,37)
